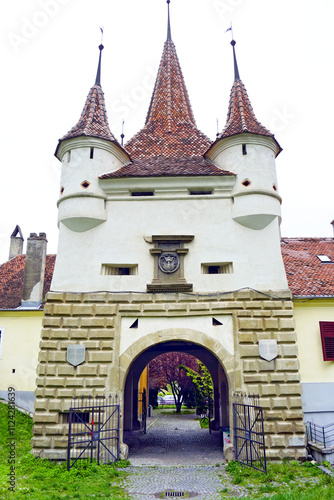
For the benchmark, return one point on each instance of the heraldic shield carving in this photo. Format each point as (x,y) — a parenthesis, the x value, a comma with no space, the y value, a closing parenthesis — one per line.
(168,265)
(169,262)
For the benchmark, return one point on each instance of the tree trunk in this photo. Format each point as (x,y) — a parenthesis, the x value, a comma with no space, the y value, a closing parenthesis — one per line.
(178,407)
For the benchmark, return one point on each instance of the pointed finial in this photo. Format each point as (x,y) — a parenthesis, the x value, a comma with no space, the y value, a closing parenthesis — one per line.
(122,134)
(236,70)
(169,33)
(98,74)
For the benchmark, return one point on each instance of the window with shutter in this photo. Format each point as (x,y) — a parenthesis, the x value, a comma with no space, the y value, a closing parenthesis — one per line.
(327,339)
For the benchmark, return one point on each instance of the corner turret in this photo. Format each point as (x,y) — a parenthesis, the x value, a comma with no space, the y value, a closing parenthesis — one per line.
(86,151)
(249,149)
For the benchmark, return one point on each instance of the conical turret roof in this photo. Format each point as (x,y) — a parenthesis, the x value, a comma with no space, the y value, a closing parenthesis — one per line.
(93,121)
(240,116)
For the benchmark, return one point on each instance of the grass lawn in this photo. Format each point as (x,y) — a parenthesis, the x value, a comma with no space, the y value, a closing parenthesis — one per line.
(41,479)
(287,480)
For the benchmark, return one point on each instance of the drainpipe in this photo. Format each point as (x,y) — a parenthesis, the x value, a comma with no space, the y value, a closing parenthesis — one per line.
(32,294)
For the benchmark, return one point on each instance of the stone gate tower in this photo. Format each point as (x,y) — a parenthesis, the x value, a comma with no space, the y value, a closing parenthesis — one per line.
(171,242)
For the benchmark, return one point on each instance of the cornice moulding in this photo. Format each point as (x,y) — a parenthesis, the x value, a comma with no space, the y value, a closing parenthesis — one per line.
(93,142)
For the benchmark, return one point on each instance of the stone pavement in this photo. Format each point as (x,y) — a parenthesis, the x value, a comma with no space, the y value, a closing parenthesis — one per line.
(175,456)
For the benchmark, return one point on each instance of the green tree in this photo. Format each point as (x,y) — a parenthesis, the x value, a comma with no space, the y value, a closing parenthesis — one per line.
(164,370)
(202,381)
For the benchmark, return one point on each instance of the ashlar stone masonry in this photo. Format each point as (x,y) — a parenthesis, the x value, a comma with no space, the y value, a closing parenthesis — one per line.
(94,320)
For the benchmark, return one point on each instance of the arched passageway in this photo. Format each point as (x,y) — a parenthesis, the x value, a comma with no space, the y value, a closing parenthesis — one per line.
(218,375)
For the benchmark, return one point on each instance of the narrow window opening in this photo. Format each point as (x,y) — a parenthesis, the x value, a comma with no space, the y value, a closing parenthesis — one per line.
(215,322)
(246,183)
(134,324)
(117,270)
(62,190)
(274,187)
(200,192)
(91,153)
(69,157)
(85,184)
(244,149)
(219,268)
(142,193)
(13,370)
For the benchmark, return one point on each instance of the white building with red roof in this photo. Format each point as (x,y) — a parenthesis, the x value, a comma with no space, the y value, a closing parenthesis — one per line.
(172,243)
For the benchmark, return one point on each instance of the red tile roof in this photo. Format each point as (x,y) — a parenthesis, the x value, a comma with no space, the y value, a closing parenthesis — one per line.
(93,121)
(167,167)
(306,274)
(170,128)
(241,117)
(11,280)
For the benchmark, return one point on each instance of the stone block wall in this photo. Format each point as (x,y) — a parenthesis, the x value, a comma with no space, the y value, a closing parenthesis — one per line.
(94,320)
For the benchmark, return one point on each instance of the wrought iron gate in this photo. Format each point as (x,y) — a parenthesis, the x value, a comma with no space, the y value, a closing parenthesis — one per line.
(93,430)
(249,443)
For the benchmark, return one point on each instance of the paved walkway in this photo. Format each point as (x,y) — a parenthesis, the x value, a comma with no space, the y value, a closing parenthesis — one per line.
(174,440)
(175,456)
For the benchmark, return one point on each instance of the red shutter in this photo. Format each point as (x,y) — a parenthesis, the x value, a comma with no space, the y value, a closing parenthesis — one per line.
(327,339)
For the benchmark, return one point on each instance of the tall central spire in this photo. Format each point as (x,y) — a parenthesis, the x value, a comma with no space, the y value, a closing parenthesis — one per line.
(169,33)
(170,127)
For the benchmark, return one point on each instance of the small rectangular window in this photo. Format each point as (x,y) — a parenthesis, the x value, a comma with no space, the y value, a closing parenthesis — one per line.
(91,154)
(218,268)
(194,193)
(119,270)
(327,339)
(142,193)
(244,149)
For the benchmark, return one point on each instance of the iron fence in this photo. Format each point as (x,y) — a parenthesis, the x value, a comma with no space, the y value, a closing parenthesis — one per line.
(323,435)
(93,430)
(249,442)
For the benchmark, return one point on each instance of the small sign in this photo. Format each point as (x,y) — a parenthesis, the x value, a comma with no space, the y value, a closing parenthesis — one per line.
(268,349)
(96,436)
(75,354)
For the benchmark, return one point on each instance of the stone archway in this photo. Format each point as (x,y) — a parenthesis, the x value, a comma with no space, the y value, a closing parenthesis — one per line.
(215,358)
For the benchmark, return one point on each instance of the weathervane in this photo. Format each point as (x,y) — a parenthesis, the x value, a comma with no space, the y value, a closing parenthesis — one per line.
(230,29)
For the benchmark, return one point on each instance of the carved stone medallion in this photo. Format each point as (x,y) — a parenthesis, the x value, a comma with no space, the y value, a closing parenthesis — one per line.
(169,262)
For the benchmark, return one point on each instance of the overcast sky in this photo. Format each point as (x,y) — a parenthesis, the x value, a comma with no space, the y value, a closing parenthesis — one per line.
(49,59)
